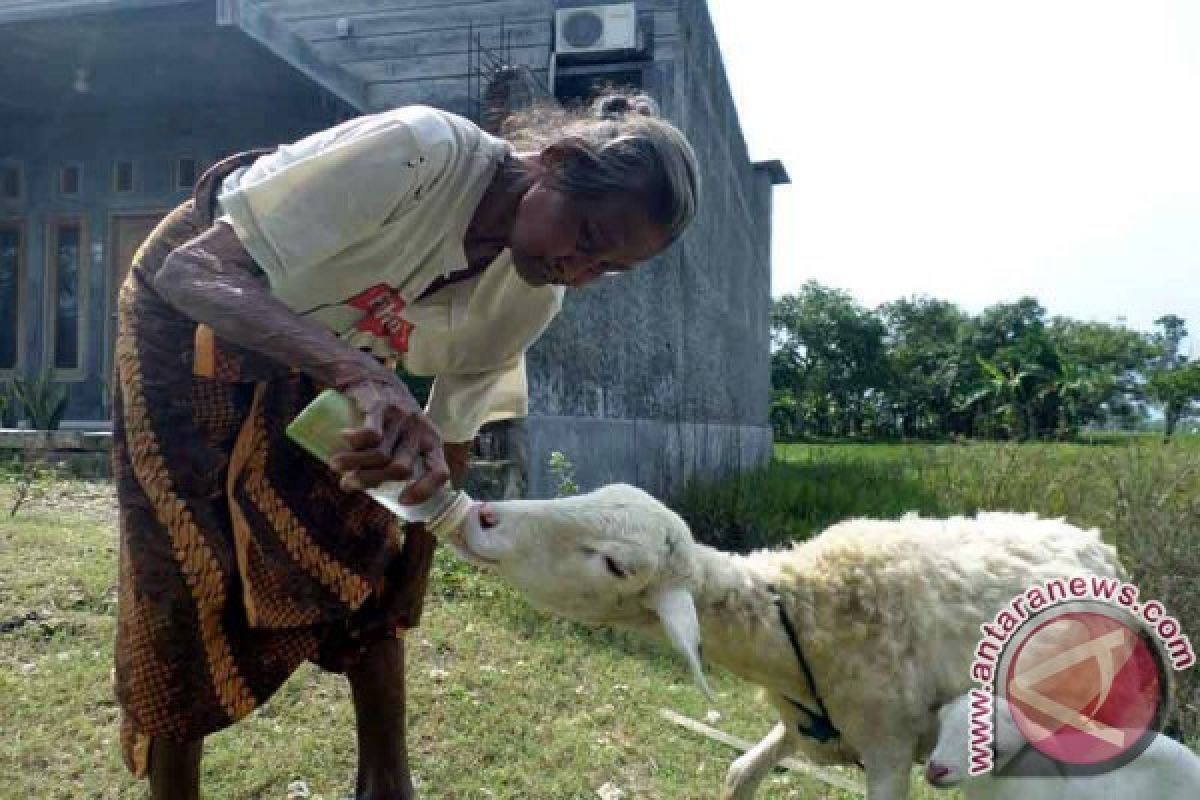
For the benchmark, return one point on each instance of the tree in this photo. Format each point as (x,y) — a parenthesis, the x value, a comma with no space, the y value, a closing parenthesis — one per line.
(829,353)
(1169,341)
(785,416)
(1010,396)
(1019,364)
(1080,390)
(1174,383)
(1006,330)
(1101,371)
(921,367)
(929,362)
(1177,390)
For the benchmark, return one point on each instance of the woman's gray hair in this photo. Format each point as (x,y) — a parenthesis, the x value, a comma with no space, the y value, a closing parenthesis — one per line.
(620,146)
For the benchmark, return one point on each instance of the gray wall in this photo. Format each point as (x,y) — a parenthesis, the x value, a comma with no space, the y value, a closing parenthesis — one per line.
(153,139)
(663,374)
(727,256)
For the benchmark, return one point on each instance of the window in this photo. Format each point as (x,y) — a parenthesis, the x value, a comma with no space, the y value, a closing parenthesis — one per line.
(67,284)
(68,180)
(11,183)
(123,176)
(185,173)
(10,293)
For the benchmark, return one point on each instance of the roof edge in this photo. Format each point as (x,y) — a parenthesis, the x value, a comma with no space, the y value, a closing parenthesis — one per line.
(26,10)
(775,169)
(259,24)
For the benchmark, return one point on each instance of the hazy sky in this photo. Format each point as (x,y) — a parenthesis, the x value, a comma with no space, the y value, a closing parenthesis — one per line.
(978,151)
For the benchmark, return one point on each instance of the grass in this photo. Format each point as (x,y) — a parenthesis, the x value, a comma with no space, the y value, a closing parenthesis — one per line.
(504,702)
(509,703)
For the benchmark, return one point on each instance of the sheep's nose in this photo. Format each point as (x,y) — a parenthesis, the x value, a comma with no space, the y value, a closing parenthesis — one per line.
(935,772)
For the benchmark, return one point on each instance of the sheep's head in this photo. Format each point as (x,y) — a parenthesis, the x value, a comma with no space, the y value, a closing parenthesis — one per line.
(951,757)
(615,556)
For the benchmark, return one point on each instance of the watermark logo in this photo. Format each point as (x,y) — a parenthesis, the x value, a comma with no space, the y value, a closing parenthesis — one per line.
(1083,667)
(1084,687)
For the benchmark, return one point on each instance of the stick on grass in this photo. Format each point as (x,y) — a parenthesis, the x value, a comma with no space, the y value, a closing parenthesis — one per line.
(811,770)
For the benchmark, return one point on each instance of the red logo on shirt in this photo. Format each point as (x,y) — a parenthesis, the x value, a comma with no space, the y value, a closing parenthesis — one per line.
(382,306)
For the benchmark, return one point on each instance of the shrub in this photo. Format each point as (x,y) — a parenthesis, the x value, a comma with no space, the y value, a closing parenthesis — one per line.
(8,407)
(564,475)
(43,401)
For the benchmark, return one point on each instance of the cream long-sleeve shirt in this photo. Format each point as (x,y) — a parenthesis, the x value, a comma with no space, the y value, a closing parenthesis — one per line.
(353,223)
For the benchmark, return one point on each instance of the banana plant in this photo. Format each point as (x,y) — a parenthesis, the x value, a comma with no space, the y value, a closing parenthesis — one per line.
(1010,395)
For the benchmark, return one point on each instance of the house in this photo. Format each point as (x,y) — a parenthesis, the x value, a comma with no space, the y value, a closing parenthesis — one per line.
(111,109)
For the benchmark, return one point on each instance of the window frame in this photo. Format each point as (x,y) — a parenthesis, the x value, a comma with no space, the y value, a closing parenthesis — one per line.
(78,372)
(19,167)
(196,172)
(21,227)
(133,176)
(60,173)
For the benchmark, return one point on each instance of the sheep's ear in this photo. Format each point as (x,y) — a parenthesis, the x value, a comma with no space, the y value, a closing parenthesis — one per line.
(677,613)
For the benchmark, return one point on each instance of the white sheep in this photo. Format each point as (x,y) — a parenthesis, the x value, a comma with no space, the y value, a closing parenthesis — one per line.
(1166,770)
(886,614)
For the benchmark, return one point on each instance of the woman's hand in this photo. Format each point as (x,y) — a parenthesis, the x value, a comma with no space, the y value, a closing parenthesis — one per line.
(458,459)
(396,442)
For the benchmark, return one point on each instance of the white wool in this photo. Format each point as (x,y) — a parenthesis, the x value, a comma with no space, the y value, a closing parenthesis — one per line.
(1166,770)
(888,611)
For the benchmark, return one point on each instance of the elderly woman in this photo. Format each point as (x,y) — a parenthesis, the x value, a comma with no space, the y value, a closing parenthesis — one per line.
(407,237)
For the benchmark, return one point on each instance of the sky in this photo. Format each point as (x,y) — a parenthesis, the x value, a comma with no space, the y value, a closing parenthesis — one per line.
(979,151)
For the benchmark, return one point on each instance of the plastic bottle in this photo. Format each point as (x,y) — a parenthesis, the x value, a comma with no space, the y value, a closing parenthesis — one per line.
(318,429)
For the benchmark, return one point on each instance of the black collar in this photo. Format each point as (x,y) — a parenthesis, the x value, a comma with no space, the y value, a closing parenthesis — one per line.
(820,725)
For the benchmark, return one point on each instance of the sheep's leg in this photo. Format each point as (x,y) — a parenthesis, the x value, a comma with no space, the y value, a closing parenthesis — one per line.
(888,770)
(173,769)
(377,685)
(749,769)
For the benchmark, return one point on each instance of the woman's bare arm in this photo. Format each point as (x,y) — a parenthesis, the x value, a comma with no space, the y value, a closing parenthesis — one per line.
(213,280)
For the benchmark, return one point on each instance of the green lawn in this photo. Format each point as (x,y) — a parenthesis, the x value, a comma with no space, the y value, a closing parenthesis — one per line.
(509,703)
(504,702)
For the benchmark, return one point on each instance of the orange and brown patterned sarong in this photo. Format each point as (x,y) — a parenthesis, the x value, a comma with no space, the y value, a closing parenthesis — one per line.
(240,556)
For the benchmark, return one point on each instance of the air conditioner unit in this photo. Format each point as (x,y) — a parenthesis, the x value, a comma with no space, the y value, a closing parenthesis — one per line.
(596,30)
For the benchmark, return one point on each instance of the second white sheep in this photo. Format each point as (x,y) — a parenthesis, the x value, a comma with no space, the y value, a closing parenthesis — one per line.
(1165,770)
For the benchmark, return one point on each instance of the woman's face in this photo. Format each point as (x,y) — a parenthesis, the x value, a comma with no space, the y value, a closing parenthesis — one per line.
(557,240)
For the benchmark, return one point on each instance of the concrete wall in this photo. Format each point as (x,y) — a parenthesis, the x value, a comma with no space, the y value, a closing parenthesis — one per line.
(153,138)
(727,255)
(663,374)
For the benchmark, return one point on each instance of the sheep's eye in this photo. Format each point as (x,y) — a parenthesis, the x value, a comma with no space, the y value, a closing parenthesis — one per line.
(614,567)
